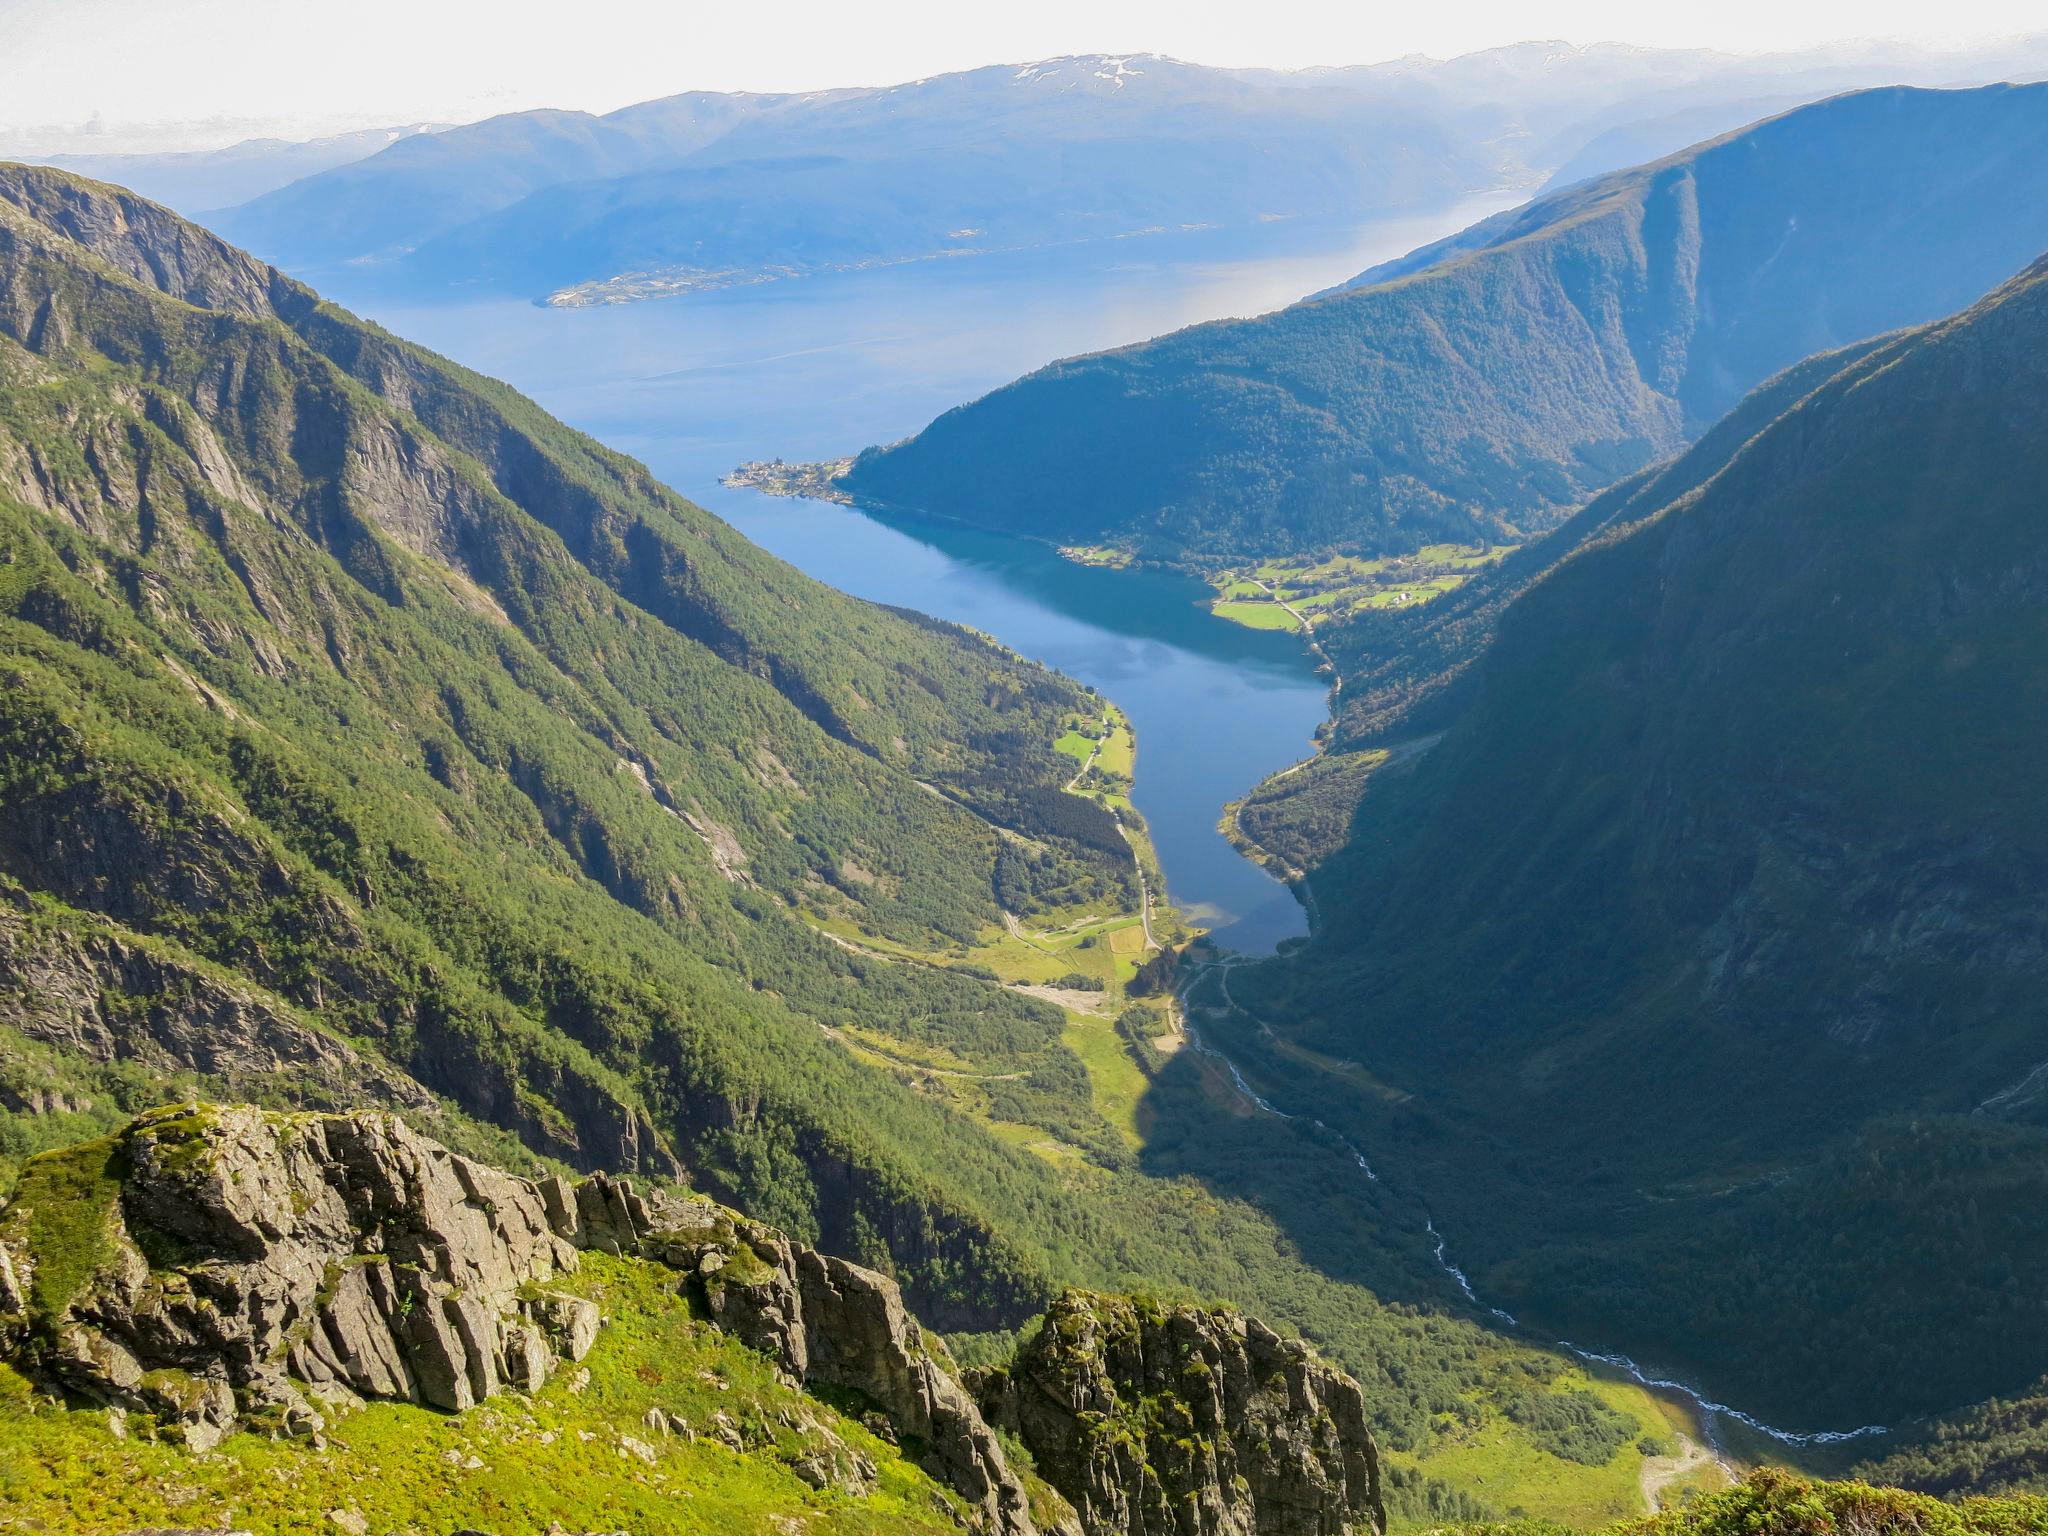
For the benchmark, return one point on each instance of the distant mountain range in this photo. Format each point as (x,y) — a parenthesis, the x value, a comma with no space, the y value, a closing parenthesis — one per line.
(198,180)
(706,190)
(1482,387)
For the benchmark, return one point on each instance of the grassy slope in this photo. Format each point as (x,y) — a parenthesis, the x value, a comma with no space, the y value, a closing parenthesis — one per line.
(578,1451)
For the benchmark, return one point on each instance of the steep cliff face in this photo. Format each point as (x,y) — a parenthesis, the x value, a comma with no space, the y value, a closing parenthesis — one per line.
(1189,1421)
(216,1267)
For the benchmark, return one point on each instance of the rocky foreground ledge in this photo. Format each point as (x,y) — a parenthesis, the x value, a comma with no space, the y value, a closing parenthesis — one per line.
(223,1268)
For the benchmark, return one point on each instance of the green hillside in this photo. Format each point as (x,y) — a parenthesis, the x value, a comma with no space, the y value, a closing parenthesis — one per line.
(366,736)
(579,1449)
(1700,961)
(350,692)
(1483,388)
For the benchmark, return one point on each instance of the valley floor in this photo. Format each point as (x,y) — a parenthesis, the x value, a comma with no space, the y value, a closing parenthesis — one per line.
(1153,1080)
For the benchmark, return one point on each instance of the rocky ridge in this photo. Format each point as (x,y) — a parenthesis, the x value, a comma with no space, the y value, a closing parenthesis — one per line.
(217,1268)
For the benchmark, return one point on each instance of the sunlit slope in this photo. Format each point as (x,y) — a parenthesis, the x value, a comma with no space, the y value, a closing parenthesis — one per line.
(369,734)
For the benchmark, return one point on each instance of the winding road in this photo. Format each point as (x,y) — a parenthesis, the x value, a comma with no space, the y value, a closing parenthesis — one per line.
(1093,753)
(1144,886)
(1308,625)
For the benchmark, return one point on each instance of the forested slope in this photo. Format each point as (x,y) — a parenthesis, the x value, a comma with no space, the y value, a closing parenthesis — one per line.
(1710,924)
(356,711)
(367,737)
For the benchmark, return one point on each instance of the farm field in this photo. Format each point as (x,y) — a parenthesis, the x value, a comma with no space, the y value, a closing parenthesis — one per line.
(1295,596)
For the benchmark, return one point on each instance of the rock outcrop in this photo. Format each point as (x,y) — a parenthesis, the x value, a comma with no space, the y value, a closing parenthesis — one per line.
(217,1268)
(1188,1421)
(821,1319)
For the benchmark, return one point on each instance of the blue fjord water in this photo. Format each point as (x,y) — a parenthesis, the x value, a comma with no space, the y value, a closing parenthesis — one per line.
(824,366)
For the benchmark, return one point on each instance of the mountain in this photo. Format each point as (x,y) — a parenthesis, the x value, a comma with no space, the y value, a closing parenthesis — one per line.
(1403,675)
(705,189)
(419,187)
(1058,157)
(364,724)
(1638,143)
(1068,153)
(195,180)
(1483,387)
(1698,965)
(369,739)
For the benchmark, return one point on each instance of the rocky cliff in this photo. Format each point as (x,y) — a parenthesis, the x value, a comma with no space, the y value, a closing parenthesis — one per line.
(222,1268)
(208,1269)
(1188,1420)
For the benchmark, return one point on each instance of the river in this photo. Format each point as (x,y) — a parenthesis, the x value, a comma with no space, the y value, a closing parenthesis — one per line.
(819,367)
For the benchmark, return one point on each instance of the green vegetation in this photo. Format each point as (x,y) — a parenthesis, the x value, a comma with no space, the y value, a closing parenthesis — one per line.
(1488,1465)
(1996,1447)
(578,1451)
(1782,1505)
(1773,1503)
(1572,1425)
(1296,819)
(367,735)
(1282,594)
(1482,388)
(1256,615)
(1694,953)
(1095,554)
(66,1200)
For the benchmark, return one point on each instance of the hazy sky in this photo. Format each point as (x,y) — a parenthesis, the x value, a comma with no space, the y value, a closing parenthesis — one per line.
(327,63)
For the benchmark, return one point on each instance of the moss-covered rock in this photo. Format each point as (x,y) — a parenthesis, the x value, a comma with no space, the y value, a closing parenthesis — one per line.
(1186,1420)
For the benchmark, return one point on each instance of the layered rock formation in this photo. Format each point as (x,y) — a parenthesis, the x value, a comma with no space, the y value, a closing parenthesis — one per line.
(821,1319)
(1188,1421)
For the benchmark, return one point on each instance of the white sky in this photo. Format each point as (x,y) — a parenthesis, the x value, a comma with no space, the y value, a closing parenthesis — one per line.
(322,64)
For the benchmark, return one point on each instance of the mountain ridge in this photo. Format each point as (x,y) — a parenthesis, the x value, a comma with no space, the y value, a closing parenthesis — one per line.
(1479,394)
(1704,922)
(366,734)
